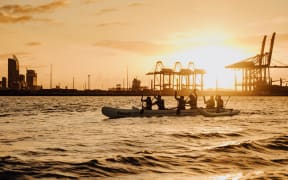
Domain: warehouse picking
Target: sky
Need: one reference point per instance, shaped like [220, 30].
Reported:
[107, 38]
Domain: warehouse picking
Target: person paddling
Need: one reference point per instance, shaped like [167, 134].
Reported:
[219, 103]
[192, 100]
[159, 102]
[148, 103]
[181, 102]
[210, 103]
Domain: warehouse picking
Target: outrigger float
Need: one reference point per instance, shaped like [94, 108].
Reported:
[112, 112]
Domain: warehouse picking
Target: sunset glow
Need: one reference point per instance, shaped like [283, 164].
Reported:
[103, 38]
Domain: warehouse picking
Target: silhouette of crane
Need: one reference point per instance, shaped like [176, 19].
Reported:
[176, 78]
[256, 69]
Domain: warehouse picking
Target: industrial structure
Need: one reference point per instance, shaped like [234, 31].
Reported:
[177, 78]
[256, 70]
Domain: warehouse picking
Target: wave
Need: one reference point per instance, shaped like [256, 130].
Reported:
[271, 152]
[278, 143]
[31, 110]
[15, 168]
[9, 141]
[244, 156]
[55, 149]
[146, 160]
[5, 114]
[205, 135]
[264, 145]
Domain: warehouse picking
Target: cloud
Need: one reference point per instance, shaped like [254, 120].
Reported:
[140, 47]
[90, 1]
[100, 25]
[105, 10]
[135, 4]
[14, 19]
[28, 9]
[33, 44]
[22, 13]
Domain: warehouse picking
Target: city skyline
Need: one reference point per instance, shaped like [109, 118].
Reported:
[103, 38]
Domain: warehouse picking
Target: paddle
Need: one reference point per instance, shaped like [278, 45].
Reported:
[142, 101]
[172, 108]
[204, 99]
[226, 101]
[142, 108]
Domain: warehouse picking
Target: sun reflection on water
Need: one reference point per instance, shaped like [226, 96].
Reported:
[235, 176]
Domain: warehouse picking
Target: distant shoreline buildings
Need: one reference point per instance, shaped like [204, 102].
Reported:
[255, 80]
[17, 81]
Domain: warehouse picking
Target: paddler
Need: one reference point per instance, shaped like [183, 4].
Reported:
[192, 100]
[181, 101]
[159, 102]
[148, 103]
[210, 103]
[219, 103]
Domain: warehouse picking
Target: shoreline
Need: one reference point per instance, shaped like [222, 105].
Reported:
[73, 92]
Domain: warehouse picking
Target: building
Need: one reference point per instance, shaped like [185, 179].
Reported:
[4, 83]
[31, 79]
[13, 73]
[22, 81]
[136, 85]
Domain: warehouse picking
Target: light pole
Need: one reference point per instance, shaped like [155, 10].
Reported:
[89, 81]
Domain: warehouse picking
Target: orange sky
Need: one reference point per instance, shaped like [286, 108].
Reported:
[103, 37]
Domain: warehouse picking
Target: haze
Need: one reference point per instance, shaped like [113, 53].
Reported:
[104, 37]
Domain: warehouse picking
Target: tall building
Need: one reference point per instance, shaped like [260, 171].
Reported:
[13, 73]
[31, 79]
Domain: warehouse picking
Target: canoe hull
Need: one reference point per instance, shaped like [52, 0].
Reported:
[112, 112]
[216, 113]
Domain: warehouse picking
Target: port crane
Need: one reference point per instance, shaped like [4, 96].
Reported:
[256, 70]
[176, 78]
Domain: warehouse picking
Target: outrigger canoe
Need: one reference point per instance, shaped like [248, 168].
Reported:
[112, 112]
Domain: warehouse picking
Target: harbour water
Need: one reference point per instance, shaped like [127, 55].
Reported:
[69, 138]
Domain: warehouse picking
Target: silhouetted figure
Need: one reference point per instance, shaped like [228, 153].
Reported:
[148, 103]
[193, 100]
[219, 102]
[181, 102]
[159, 102]
[210, 103]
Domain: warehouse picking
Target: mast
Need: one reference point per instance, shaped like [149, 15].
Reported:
[127, 77]
[73, 82]
[88, 81]
[50, 76]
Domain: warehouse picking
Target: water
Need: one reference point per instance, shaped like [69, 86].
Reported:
[69, 138]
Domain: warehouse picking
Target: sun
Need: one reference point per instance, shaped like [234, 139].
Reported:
[211, 51]
[212, 58]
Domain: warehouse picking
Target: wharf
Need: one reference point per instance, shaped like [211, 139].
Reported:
[273, 91]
